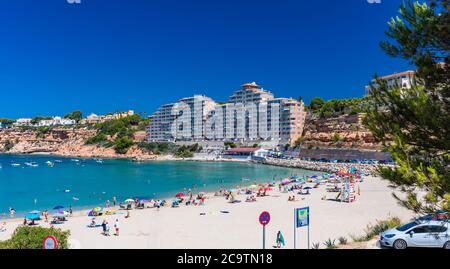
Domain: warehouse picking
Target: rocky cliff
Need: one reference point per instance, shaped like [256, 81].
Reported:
[65, 142]
[345, 131]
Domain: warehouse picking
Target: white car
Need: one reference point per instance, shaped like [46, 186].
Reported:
[430, 234]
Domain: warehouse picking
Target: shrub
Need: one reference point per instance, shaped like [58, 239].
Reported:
[184, 152]
[380, 226]
[315, 246]
[229, 144]
[155, 147]
[27, 237]
[96, 139]
[8, 145]
[342, 240]
[122, 144]
[336, 137]
[330, 244]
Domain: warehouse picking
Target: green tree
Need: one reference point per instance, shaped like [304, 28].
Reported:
[75, 115]
[28, 237]
[316, 103]
[37, 119]
[6, 121]
[417, 119]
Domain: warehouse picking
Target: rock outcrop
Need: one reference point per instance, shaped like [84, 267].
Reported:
[345, 131]
[64, 142]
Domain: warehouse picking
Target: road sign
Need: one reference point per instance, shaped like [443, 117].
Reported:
[264, 218]
[50, 242]
[302, 216]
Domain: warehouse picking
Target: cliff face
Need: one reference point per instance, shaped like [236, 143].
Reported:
[345, 131]
[65, 142]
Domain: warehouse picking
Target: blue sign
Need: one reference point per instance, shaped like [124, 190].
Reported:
[264, 218]
[302, 216]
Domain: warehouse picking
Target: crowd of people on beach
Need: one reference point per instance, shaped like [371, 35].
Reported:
[293, 185]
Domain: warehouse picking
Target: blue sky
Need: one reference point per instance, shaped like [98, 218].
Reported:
[108, 55]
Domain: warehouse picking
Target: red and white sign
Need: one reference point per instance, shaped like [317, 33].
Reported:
[50, 242]
[264, 218]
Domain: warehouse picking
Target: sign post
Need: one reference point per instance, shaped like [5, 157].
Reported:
[301, 218]
[264, 219]
[50, 242]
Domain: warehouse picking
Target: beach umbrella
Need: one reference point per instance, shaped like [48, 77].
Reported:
[129, 200]
[265, 189]
[58, 207]
[178, 195]
[97, 209]
[285, 181]
[307, 188]
[32, 216]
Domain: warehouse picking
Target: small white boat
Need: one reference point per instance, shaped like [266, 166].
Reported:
[67, 190]
[49, 163]
[15, 164]
[74, 160]
[75, 198]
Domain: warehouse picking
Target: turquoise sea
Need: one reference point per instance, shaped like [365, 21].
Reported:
[27, 182]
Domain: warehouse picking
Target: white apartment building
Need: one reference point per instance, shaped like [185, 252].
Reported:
[243, 118]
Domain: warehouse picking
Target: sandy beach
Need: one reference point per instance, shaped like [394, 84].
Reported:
[185, 227]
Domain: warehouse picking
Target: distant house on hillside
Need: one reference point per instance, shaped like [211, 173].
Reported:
[22, 122]
[56, 121]
[404, 80]
[94, 119]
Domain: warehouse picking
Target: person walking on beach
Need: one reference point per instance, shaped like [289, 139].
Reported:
[70, 210]
[45, 213]
[116, 226]
[280, 239]
[114, 201]
[107, 204]
[104, 227]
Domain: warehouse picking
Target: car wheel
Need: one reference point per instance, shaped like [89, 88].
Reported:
[399, 244]
[447, 245]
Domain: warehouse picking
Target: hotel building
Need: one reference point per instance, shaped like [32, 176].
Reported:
[403, 80]
[168, 123]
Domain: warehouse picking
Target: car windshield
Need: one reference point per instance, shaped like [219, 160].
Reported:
[406, 226]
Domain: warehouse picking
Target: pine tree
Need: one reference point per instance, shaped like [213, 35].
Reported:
[416, 121]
